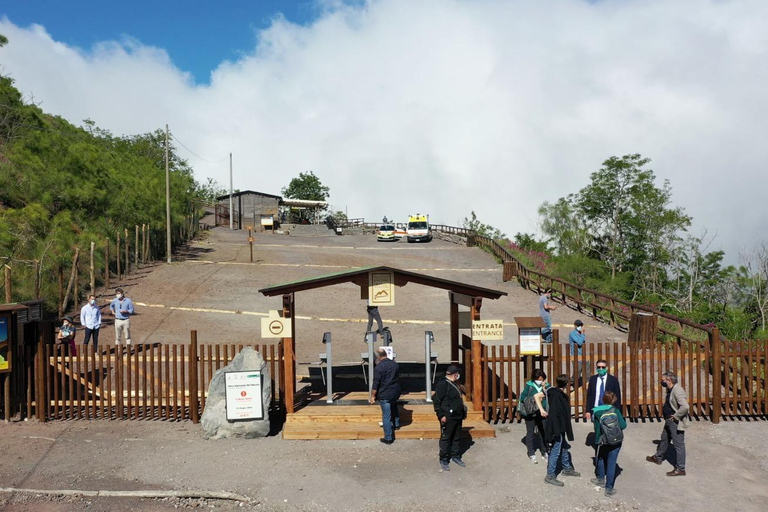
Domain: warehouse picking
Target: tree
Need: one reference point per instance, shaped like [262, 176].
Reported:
[561, 223]
[755, 280]
[3, 40]
[629, 218]
[481, 229]
[307, 186]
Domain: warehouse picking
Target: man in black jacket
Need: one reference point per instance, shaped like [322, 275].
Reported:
[386, 388]
[597, 387]
[449, 408]
[558, 429]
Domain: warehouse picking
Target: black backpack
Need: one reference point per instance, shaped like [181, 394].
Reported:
[610, 429]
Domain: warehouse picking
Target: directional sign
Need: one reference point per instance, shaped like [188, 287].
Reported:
[276, 327]
[488, 330]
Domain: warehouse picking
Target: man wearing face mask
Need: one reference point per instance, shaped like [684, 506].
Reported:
[90, 318]
[599, 385]
[451, 412]
[675, 412]
[122, 308]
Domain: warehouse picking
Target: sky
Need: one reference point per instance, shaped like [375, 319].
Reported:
[436, 106]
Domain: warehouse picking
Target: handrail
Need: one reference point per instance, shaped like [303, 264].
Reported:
[527, 276]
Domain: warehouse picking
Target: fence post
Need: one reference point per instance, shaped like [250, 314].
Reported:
[194, 399]
[106, 265]
[136, 249]
[127, 253]
[36, 268]
[8, 294]
[477, 376]
[117, 256]
[92, 269]
[41, 400]
[717, 374]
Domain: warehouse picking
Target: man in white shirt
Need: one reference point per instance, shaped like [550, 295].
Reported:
[90, 318]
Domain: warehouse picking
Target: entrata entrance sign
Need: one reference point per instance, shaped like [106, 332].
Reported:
[243, 394]
[488, 330]
[381, 289]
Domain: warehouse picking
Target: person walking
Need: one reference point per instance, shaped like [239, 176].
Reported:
[558, 429]
[90, 318]
[609, 426]
[386, 389]
[122, 309]
[544, 311]
[534, 423]
[576, 340]
[675, 411]
[451, 411]
[598, 386]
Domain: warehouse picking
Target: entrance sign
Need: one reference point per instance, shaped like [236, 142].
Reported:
[381, 288]
[243, 394]
[530, 341]
[276, 327]
[488, 330]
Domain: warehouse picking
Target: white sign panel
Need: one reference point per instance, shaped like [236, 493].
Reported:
[276, 327]
[488, 330]
[530, 341]
[243, 392]
[381, 289]
[390, 352]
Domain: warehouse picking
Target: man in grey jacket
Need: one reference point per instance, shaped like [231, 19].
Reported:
[675, 412]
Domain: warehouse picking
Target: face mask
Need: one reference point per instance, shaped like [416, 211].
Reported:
[92, 301]
[602, 371]
[578, 328]
[664, 384]
[119, 295]
[539, 383]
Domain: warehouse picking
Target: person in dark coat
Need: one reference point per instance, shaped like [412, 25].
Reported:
[386, 389]
[450, 411]
[598, 386]
[558, 429]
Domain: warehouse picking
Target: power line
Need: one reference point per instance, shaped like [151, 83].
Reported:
[198, 156]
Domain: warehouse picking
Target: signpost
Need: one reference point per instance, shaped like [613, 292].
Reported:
[381, 288]
[243, 395]
[275, 326]
[488, 330]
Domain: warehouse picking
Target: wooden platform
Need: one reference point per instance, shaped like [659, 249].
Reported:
[351, 417]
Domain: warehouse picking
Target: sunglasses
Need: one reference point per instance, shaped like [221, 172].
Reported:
[602, 367]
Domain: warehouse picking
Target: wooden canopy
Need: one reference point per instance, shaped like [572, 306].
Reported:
[359, 276]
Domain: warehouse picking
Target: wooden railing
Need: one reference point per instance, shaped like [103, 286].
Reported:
[741, 390]
[143, 381]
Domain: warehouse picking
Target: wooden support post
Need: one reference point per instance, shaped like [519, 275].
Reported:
[717, 375]
[127, 253]
[36, 268]
[136, 249]
[143, 243]
[477, 375]
[7, 396]
[61, 289]
[194, 399]
[41, 367]
[8, 294]
[72, 280]
[76, 283]
[117, 255]
[454, 329]
[92, 269]
[289, 350]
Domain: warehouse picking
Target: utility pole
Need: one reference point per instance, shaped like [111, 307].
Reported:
[231, 213]
[167, 201]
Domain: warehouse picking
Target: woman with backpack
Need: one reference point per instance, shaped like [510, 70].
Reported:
[530, 413]
[609, 426]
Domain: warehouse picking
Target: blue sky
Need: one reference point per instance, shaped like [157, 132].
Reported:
[197, 34]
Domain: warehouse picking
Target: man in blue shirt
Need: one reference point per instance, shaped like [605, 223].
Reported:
[576, 340]
[90, 318]
[544, 308]
[122, 308]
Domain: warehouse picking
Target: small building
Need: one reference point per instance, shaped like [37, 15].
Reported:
[249, 208]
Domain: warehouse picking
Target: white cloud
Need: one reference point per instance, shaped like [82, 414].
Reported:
[445, 106]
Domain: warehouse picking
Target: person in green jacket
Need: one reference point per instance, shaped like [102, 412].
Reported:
[607, 454]
[534, 424]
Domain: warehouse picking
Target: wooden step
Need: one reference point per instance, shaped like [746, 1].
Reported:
[368, 430]
[362, 413]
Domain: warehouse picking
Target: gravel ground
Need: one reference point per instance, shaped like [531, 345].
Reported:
[726, 465]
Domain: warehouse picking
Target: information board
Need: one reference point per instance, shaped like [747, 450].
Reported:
[381, 288]
[243, 394]
[530, 341]
[5, 343]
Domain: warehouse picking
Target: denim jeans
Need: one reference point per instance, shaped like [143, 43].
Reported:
[546, 333]
[92, 333]
[390, 417]
[607, 455]
[560, 448]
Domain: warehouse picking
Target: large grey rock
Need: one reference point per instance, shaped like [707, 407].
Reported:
[214, 420]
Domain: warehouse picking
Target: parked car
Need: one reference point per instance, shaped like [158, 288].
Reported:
[400, 230]
[386, 233]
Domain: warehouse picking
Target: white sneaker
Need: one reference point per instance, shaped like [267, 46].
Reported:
[381, 423]
[545, 456]
[533, 459]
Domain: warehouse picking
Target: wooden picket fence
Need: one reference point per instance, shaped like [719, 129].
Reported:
[143, 381]
[742, 389]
